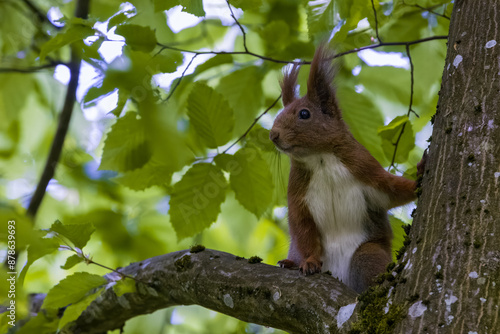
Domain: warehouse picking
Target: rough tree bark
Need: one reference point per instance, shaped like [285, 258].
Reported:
[453, 261]
[448, 280]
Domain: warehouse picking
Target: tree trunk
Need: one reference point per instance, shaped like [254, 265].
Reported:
[452, 265]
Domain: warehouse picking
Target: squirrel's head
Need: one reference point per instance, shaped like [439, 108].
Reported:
[313, 123]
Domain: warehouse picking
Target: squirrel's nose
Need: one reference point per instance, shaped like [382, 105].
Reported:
[274, 135]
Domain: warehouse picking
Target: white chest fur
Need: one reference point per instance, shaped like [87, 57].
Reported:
[337, 202]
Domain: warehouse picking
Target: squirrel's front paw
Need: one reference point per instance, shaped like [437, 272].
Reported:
[310, 266]
[286, 263]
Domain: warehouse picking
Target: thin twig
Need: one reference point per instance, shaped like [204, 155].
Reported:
[90, 261]
[30, 69]
[252, 125]
[178, 82]
[239, 25]
[39, 14]
[378, 45]
[163, 47]
[430, 9]
[376, 22]
[373, 46]
[410, 107]
[82, 9]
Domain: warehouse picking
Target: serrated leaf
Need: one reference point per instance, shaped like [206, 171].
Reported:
[96, 93]
[252, 181]
[196, 199]
[211, 116]
[73, 311]
[194, 7]
[72, 34]
[139, 38]
[161, 5]
[320, 18]
[72, 261]
[126, 147]
[78, 234]
[72, 289]
[390, 134]
[213, 62]
[243, 90]
[36, 250]
[151, 174]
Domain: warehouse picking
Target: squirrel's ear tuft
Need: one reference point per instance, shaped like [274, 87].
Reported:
[289, 85]
[320, 83]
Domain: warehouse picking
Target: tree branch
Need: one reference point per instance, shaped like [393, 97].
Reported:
[240, 26]
[178, 82]
[373, 46]
[30, 69]
[42, 17]
[257, 293]
[410, 110]
[82, 9]
[253, 124]
[376, 22]
[430, 10]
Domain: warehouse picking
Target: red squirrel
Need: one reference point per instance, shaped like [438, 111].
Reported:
[338, 193]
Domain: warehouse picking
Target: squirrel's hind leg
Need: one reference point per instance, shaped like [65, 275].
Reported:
[369, 260]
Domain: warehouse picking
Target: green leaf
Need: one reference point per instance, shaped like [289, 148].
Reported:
[358, 10]
[246, 4]
[259, 136]
[71, 35]
[73, 311]
[276, 35]
[320, 19]
[194, 7]
[399, 234]
[78, 234]
[36, 250]
[210, 115]
[122, 101]
[72, 261]
[42, 323]
[126, 147]
[72, 289]
[139, 38]
[243, 90]
[151, 174]
[213, 62]
[123, 286]
[390, 134]
[166, 62]
[252, 181]
[161, 5]
[196, 199]
[363, 118]
[118, 19]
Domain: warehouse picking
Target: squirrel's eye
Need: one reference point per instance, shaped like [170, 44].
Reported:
[304, 114]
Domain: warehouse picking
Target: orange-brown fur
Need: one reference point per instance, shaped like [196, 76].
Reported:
[326, 133]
